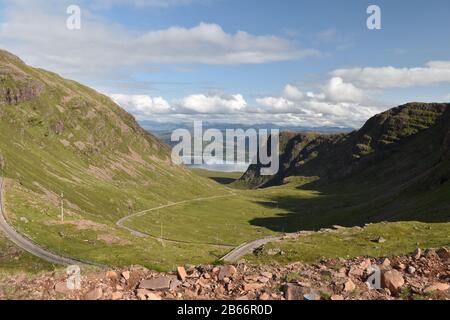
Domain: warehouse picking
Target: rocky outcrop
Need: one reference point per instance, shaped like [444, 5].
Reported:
[335, 279]
[398, 135]
[15, 85]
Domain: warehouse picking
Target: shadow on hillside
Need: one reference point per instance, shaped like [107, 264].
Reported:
[347, 210]
[223, 180]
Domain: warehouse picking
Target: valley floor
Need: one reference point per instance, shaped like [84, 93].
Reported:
[201, 232]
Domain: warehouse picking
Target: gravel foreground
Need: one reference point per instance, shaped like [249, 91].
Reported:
[420, 275]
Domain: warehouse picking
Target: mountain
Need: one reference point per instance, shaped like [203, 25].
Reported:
[59, 136]
[398, 157]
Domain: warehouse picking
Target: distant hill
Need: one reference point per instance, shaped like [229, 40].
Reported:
[399, 156]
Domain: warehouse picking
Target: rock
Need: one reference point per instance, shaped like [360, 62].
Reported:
[356, 272]
[365, 264]
[116, 295]
[399, 266]
[61, 287]
[23, 219]
[264, 296]
[112, 275]
[293, 292]
[263, 279]
[273, 251]
[349, 286]
[181, 273]
[392, 280]
[417, 254]
[252, 286]
[174, 284]
[336, 297]
[95, 294]
[379, 240]
[153, 297]
[411, 270]
[386, 263]
[144, 294]
[159, 283]
[438, 286]
[227, 272]
[443, 253]
[267, 275]
[431, 254]
[126, 275]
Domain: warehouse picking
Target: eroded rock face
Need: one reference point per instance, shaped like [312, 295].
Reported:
[15, 89]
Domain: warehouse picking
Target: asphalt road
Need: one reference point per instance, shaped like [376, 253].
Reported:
[27, 244]
[31, 247]
[247, 248]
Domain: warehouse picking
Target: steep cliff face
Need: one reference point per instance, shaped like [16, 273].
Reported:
[396, 145]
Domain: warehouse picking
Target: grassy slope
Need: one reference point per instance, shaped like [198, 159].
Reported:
[74, 140]
[15, 260]
[131, 173]
[401, 238]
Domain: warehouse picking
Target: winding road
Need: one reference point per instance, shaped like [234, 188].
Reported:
[27, 244]
[246, 248]
[232, 256]
[120, 222]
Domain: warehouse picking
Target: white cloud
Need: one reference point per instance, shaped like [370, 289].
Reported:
[200, 103]
[292, 92]
[142, 105]
[390, 77]
[276, 103]
[336, 104]
[42, 39]
[339, 91]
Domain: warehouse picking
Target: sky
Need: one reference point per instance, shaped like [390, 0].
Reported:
[306, 63]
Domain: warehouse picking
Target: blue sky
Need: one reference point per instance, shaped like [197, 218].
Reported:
[245, 61]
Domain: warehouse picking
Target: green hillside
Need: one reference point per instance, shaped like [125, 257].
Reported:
[59, 136]
[396, 167]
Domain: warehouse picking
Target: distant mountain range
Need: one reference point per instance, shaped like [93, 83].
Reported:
[164, 130]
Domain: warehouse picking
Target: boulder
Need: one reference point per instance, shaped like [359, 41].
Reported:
[227, 272]
[443, 253]
[117, 295]
[61, 287]
[126, 275]
[411, 270]
[159, 283]
[111, 275]
[294, 292]
[95, 294]
[438, 286]
[417, 254]
[181, 273]
[349, 286]
[392, 280]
